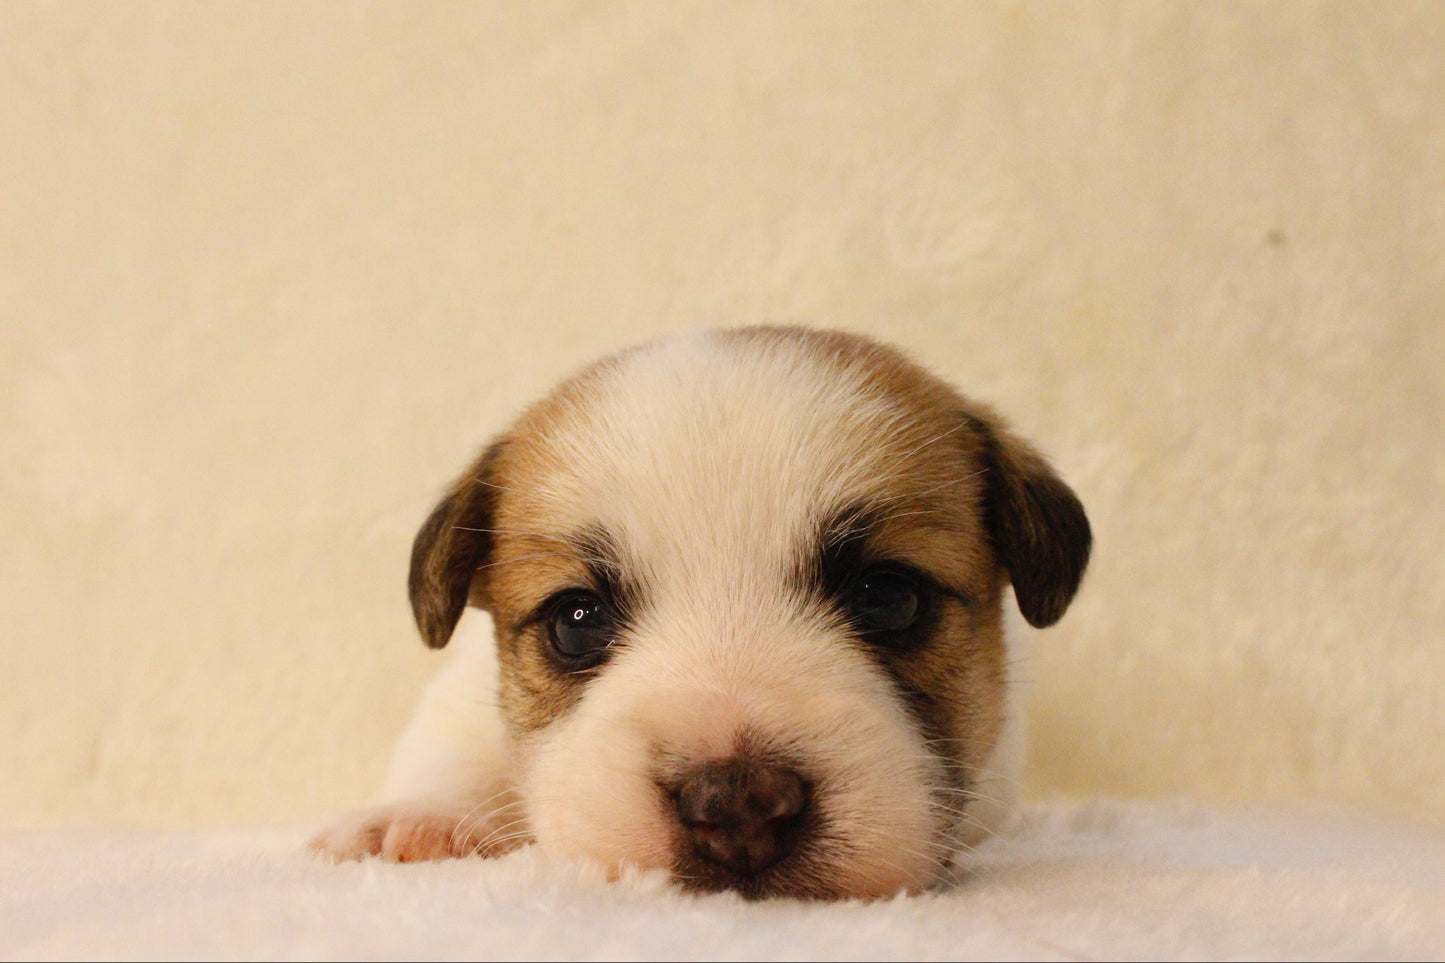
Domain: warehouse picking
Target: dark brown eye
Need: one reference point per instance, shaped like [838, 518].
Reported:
[885, 600]
[580, 628]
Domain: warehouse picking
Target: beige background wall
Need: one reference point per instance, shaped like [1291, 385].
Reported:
[270, 272]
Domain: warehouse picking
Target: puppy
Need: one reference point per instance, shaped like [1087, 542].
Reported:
[747, 591]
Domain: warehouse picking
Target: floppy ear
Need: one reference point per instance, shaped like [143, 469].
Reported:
[454, 542]
[1037, 524]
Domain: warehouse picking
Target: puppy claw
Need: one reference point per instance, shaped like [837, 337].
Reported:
[349, 838]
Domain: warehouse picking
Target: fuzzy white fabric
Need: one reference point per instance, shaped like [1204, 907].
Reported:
[1096, 882]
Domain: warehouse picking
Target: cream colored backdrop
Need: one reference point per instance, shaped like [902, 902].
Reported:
[270, 273]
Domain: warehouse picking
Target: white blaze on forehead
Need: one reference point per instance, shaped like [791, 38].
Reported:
[704, 450]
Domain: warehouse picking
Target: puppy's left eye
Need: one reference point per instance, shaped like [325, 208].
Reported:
[885, 600]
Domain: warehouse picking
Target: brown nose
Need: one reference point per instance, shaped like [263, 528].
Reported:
[742, 814]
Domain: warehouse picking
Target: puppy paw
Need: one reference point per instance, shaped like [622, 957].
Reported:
[418, 831]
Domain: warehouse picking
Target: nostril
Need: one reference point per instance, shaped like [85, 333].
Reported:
[742, 814]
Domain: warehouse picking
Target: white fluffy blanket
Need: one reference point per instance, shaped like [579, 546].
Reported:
[1085, 881]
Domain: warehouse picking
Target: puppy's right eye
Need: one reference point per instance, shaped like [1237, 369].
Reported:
[580, 628]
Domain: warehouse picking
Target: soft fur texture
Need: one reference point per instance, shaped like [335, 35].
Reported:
[798, 543]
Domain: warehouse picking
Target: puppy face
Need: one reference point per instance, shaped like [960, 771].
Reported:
[747, 591]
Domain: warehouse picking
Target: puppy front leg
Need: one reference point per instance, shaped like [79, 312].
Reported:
[448, 791]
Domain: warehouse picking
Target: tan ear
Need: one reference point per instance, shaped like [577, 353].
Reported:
[1037, 524]
[451, 549]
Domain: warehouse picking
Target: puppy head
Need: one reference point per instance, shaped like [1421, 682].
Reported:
[747, 592]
